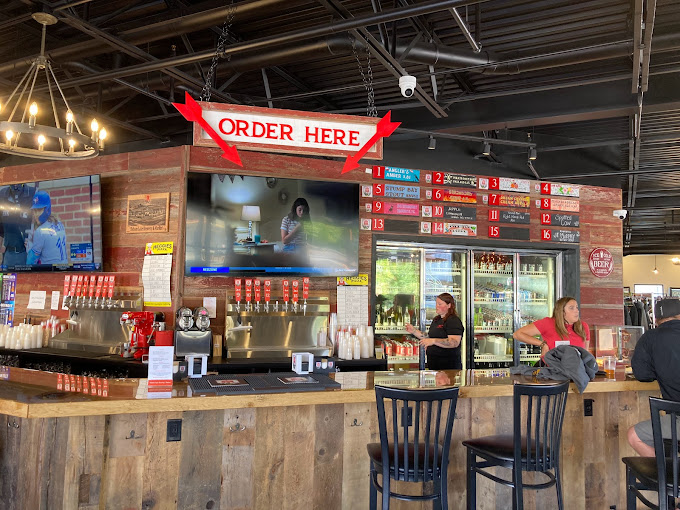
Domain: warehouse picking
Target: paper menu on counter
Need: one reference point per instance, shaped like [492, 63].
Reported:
[160, 365]
[156, 274]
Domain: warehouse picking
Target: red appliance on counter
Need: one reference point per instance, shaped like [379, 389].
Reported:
[142, 327]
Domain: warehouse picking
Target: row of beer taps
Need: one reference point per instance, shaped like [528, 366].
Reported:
[91, 291]
[253, 290]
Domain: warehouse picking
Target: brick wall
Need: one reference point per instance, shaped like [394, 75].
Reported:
[71, 204]
[164, 170]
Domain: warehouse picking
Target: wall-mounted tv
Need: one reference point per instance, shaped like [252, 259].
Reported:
[240, 225]
[51, 225]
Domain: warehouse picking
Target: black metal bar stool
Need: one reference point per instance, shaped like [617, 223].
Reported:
[538, 414]
[415, 437]
[659, 473]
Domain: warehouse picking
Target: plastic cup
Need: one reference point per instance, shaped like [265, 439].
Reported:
[609, 366]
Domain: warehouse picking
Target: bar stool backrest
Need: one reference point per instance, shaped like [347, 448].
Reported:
[415, 430]
[538, 416]
[667, 462]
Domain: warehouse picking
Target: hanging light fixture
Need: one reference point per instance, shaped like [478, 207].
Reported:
[433, 143]
[25, 136]
[655, 270]
[676, 261]
[487, 149]
[533, 154]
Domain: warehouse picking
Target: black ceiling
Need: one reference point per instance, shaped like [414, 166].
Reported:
[594, 83]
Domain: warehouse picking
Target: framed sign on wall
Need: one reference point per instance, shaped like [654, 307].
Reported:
[148, 213]
[674, 292]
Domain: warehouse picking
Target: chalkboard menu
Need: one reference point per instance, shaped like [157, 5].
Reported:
[560, 219]
[501, 232]
[401, 227]
[509, 216]
[451, 212]
[561, 236]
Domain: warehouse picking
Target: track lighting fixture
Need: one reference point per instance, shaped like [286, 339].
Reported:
[532, 154]
[487, 149]
[433, 143]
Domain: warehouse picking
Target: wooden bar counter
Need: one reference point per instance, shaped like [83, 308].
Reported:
[285, 451]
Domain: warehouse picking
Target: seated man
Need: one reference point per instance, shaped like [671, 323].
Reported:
[657, 356]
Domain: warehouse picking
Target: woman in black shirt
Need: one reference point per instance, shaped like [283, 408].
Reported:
[443, 339]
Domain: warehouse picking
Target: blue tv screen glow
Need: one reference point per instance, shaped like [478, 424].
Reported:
[250, 225]
[51, 225]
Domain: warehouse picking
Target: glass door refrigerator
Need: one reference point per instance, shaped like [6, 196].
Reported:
[496, 292]
[510, 289]
[408, 279]
[537, 287]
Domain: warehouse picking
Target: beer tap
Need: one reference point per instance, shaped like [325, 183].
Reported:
[109, 303]
[98, 292]
[83, 294]
[257, 295]
[305, 294]
[267, 294]
[67, 283]
[93, 281]
[79, 288]
[286, 294]
[249, 294]
[296, 290]
[237, 294]
[72, 290]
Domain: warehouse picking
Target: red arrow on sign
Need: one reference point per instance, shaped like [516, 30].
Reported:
[192, 111]
[384, 129]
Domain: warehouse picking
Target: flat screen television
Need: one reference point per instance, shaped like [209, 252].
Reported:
[241, 225]
[51, 225]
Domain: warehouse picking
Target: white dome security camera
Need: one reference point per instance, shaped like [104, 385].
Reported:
[620, 214]
[407, 84]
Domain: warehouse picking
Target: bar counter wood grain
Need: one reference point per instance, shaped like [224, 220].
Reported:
[284, 451]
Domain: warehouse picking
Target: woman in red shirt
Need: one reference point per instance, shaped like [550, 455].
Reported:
[563, 328]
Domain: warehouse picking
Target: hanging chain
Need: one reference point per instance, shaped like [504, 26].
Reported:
[371, 110]
[207, 88]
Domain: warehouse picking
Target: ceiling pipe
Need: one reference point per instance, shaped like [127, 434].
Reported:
[274, 41]
[243, 11]
[484, 62]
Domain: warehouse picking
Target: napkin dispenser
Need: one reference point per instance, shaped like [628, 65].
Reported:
[303, 362]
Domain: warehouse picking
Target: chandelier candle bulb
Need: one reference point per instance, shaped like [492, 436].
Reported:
[33, 111]
[41, 142]
[102, 137]
[69, 122]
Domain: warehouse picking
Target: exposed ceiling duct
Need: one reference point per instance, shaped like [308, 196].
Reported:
[444, 56]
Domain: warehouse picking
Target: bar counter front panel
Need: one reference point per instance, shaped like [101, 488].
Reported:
[289, 451]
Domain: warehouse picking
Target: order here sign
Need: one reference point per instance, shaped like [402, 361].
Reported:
[273, 130]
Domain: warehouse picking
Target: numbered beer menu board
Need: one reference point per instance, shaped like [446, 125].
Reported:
[464, 205]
